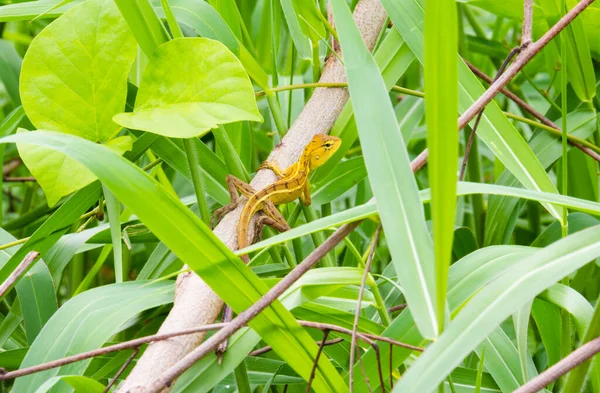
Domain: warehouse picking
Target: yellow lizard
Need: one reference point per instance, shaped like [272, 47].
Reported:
[293, 184]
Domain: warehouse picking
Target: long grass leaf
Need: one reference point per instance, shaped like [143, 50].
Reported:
[441, 107]
[390, 175]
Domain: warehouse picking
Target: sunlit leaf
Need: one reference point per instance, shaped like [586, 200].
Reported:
[190, 86]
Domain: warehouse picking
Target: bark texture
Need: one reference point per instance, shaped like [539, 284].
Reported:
[195, 303]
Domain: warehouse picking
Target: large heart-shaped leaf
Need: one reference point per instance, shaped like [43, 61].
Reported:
[190, 86]
[74, 80]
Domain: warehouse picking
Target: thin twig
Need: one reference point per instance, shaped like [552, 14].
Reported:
[526, 55]
[531, 110]
[103, 351]
[379, 367]
[366, 337]
[574, 359]
[263, 350]
[23, 179]
[397, 308]
[359, 301]
[18, 272]
[505, 64]
[527, 23]
[11, 166]
[314, 367]
[136, 350]
[364, 372]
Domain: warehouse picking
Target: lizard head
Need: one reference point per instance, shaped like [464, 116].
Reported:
[321, 148]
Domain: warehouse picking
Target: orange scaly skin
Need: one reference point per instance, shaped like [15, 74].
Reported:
[292, 185]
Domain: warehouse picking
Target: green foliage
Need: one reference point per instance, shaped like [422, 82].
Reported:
[189, 86]
[148, 105]
[441, 106]
[74, 80]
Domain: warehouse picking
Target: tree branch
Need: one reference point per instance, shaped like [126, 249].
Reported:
[527, 23]
[166, 379]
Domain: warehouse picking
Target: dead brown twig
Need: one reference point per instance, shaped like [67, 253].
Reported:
[135, 343]
[531, 110]
[357, 313]
[18, 272]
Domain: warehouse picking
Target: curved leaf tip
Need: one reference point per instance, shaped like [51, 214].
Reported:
[190, 86]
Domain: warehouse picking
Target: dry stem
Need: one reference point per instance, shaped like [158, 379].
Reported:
[18, 272]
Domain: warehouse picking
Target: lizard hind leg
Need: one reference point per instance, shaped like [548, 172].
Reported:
[233, 186]
[272, 218]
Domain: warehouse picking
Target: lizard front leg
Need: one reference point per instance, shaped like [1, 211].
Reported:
[274, 167]
[305, 196]
[233, 185]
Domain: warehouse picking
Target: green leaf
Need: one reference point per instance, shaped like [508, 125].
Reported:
[74, 80]
[35, 290]
[113, 210]
[390, 175]
[494, 129]
[301, 40]
[310, 19]
[52, 229]
[189, 86]
[86, 322]
[344, 176]
[79, 383]
[30, 9]
[466, 278]
[10, 68]
[198, 247]
[37, 297]
[441, 106]
[521, 322]
[547, 148]
[205, 20]
[68, 245]
[11, 359]
[497, 301]
[74, 76]
[143, 22]
[503, 362]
